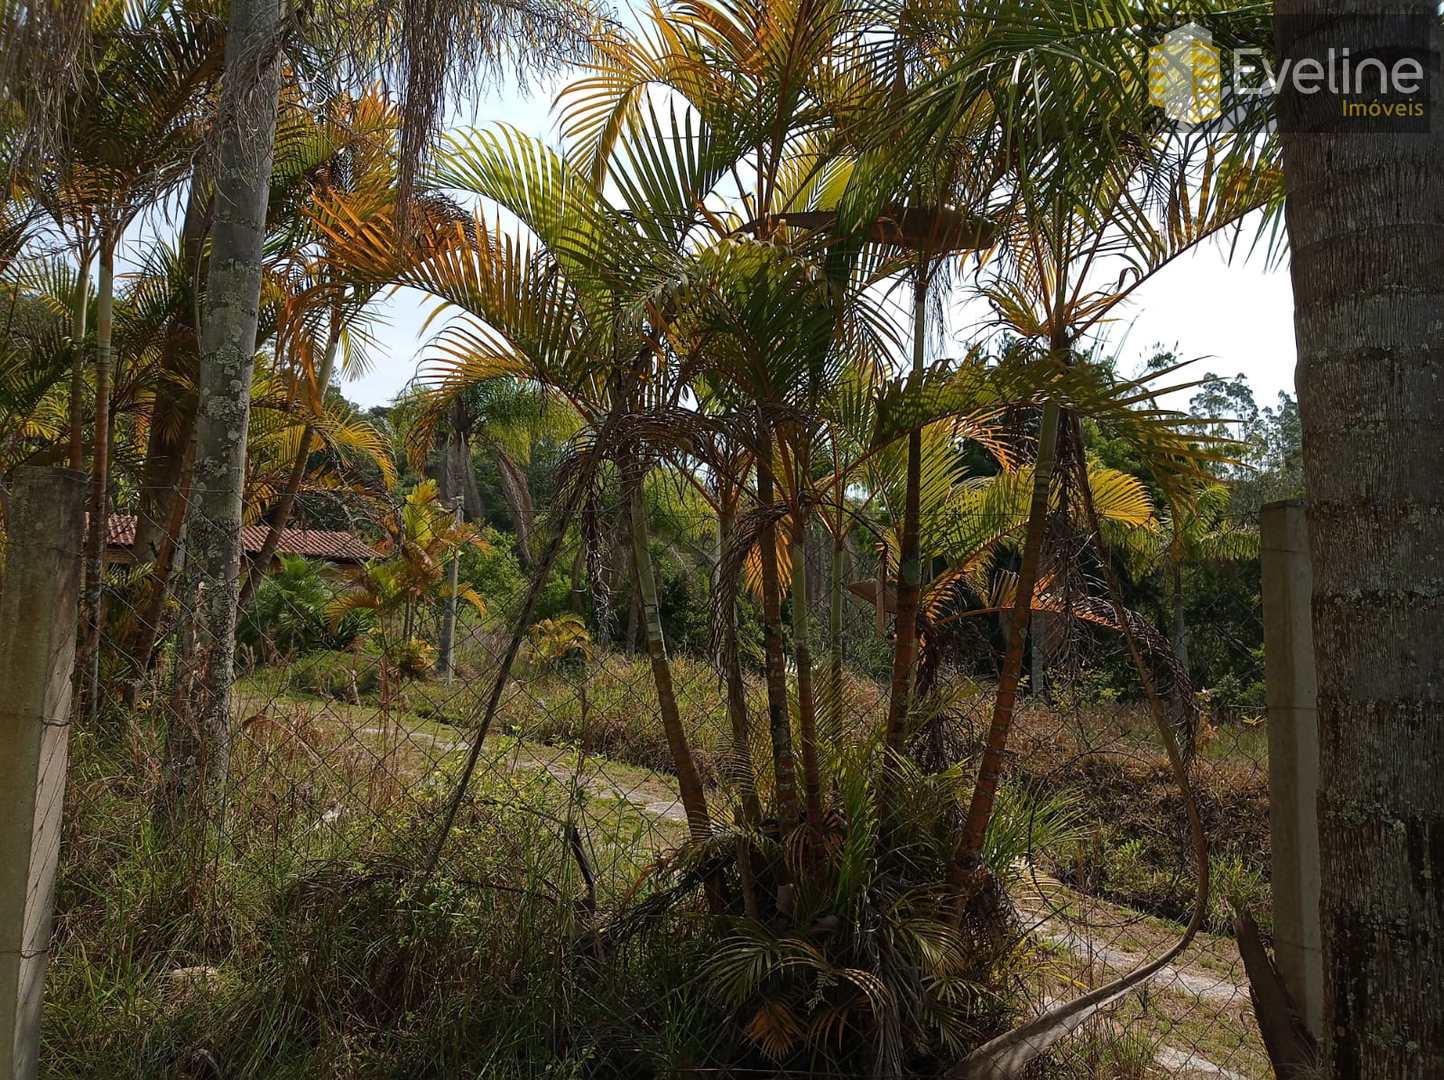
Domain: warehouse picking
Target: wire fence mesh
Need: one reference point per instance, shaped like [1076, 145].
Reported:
[289, 891]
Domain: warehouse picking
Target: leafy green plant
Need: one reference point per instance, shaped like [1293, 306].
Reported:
[287, 614]
[560, 641]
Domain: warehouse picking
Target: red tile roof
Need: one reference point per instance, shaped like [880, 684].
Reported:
[332, 545]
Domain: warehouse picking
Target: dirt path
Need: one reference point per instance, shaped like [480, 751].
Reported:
[1195, 1012]
[1199, 1005]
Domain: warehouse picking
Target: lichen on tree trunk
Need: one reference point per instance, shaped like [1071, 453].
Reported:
[198, 750]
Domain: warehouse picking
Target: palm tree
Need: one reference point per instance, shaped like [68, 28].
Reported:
[421, 540]
[548, 312]
[1136, 210]
[133, 128]
[1359, 205]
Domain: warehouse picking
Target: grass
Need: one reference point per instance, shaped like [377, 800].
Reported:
[1127, 842]
[298, 941]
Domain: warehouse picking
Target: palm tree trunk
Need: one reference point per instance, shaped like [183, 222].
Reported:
[89, 662]
[802, 655]
[173, 417]
[1365, 215]
[198, 750]
[980, 808]
[743, 775]
[152, 609]
[517, 492]
[474, 508]
[689, 783]
[909, 574]
[834, 638]
[1180, 624]
[779, 723]
[280, 515]
[78, 317]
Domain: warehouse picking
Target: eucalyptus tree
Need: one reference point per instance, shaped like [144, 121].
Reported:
[432, 47]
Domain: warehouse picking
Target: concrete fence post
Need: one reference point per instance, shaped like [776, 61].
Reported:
[39, 598]
[1293, 754]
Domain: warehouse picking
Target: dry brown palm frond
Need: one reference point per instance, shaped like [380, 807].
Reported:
[430, 51]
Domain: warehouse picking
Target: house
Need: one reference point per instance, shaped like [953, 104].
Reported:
[328, 545]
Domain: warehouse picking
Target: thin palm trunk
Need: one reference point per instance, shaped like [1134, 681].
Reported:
[280, 515]
[980, 809]
[689, 783]
[1365, 213]
[198, 742]
[78, 318]
[909, 576]
[835, 586]
[779, 723]
[89, 662]
[742, 768]
[802, 655]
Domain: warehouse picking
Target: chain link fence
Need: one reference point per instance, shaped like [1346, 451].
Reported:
[306, 910]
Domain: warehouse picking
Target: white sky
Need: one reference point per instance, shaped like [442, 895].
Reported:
[1231, 318]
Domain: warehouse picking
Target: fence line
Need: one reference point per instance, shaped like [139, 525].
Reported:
[342, 744]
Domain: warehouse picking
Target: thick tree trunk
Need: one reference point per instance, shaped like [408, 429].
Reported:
[689, 783]
[1365, 217]
[441, 447]
[172, 427]
[280, 515]
[173, 418]
[88, 663]
[151, 614]
[198, 741]
[472, 504]
[909, 574]
[778, 720]
[990, 769]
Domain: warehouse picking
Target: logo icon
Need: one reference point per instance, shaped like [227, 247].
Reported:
[1184, 75]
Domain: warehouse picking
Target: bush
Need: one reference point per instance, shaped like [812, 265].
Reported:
[413, 657]
[346, 676]
[287, 615]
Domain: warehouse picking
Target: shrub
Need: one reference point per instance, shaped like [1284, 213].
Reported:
[412, 657]
[287, 615]
[346, 676]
